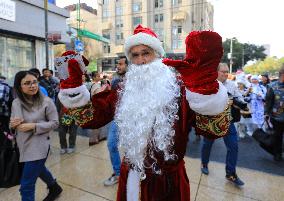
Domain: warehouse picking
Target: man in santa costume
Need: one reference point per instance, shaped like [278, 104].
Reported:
[155, 107]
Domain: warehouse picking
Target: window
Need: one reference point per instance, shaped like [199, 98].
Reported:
[106, 48]
[118, 23]
[136, 7]
[16, 55]
[176, 2]
[179, 29]
[161, 3]
[118, 10]
[136, 21]
[177, 44]
[106, 13]
[160, 33]
[174, 30]
[161, 17]
[156, 3]
[105, 2]
[106, 35]
[156, 18]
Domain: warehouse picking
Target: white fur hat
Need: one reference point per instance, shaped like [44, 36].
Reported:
[143, 36]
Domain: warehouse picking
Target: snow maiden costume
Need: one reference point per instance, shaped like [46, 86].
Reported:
[154, 109]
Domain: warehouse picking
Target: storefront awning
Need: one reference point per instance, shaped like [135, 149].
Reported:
[180, 16]
[88, 34]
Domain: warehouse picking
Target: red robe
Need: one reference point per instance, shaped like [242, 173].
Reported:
[173, 183]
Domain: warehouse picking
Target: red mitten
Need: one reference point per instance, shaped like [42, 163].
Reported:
[199, 68]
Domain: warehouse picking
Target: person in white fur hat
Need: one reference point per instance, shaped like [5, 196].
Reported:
[154, 111]
[257, 97]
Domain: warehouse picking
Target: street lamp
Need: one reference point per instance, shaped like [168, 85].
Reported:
[230, 54]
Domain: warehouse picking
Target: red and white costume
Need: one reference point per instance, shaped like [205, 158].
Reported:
[156, 133]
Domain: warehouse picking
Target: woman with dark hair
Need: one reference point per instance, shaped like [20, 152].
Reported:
[33, 117]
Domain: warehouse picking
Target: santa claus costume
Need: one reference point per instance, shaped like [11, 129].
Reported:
[154, 109]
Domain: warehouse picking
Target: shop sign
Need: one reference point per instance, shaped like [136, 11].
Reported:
[8, 10]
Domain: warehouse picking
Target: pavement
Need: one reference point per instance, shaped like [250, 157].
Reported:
[81, 174]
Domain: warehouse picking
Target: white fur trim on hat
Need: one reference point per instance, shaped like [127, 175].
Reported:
[143, 39]
[81, 99]
[208, 104]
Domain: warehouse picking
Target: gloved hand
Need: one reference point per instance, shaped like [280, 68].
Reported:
[199, 68]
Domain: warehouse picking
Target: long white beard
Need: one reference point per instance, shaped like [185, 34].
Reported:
[146, 113]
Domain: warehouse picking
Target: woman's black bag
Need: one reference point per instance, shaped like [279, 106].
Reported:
[266, 140]
[10, 167]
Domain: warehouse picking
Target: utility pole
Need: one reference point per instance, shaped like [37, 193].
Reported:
[46, 33]
[78, 18]
[243, 57]
[231, 55]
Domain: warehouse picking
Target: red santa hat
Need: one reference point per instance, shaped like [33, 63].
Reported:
[143, 36]
[71, 67]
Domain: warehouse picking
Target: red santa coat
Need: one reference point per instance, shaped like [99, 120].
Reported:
[173, 183]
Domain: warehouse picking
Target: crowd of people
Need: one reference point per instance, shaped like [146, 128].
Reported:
[150, 107]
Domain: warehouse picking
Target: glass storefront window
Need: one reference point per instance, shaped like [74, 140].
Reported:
[16, 55]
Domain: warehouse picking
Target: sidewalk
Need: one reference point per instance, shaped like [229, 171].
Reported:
[82, 173]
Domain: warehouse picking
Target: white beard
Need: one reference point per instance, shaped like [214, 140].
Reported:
[146, 113]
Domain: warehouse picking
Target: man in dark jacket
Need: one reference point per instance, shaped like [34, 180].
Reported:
[274, 108]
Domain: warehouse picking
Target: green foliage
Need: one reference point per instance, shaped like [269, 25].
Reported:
[92, 66]
[270, 65]
[242, 53]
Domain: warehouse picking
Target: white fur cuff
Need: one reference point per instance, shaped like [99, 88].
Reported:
[81, 99]
[208, 104]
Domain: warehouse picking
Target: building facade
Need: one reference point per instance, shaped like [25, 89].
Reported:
[172, 20]
[22, 34]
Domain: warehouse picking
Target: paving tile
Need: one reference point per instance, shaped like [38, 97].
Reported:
[192, 169]
[193, 190]
[55, 157]
[210, 194]
[98, 151]
[82, 143]
[69, 193]
[258, 185]
[86, 173]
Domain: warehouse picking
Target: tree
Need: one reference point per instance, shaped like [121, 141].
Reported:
[242, 53]
[270, 65]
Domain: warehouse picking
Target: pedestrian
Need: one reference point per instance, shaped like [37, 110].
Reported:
[154, 110]
[66, 125]
[42, 85]
[274, 109]
[33, 117]
[245, 125]
[112, 138]
[265, 81]
[230, 140]
[47, 82]
[6, 98]
[257, 98]
[94, 134]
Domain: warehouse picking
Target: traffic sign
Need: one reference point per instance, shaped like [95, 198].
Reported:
[79, 46]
